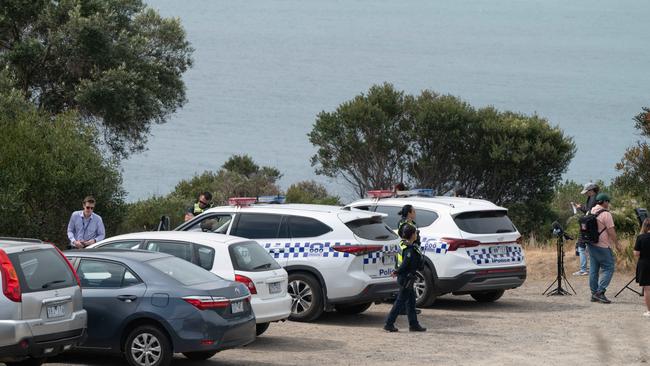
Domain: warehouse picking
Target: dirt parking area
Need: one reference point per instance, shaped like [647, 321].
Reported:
[523, 328]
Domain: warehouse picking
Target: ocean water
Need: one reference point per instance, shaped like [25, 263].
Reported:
[265, 68]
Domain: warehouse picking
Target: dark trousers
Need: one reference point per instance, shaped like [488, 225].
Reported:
[405, 298]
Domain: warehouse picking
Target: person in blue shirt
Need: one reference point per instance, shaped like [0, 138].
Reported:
[85, 226]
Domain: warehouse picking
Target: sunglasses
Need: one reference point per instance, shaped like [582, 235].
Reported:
[90, 208]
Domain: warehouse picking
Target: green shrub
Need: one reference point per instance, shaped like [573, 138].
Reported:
[310, 192]
[145, 215]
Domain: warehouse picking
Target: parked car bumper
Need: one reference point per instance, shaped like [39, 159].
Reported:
[372, 293]
[43, 346]
[481, 280]
[212, 332]
[271, 310]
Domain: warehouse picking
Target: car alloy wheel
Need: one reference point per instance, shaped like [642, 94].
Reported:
[146, 349]
[419, 286]
[301, 296]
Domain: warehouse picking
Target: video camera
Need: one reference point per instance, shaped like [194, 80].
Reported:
[641, 215]
[559, 231]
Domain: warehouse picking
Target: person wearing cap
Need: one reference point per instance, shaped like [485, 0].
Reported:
[590, 190]
[601, 256]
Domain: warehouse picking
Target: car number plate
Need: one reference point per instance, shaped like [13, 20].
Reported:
[499, 250]
[388, 260]
[275, 287]
[237, 307]
[55, 311]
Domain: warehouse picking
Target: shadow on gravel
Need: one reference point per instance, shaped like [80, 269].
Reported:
[293, 344]
[540, 304]
[95, 359]
[376, 319]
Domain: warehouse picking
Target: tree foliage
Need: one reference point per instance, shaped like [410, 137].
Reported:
[310, 191]
[363, 141]
[117, 62]
[441, 142]
[47, 166]
[635, 165]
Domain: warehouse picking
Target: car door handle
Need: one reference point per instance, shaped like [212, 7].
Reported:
[127, 298]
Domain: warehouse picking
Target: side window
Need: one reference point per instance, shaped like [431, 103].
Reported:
[258, 226]
[425, 217]
[177, 249]
[392, 220]
[127, 244]
[365, 208]
[204, 256]
[217, 223]
[306, 227]
[102, 274]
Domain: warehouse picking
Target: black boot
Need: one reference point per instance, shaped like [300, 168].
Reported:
[390, 328]
[417, 328]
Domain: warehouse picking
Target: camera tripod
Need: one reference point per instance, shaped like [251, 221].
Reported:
[561, 275]
[630, 288]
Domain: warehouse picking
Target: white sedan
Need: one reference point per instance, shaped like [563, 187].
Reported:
[229, 257]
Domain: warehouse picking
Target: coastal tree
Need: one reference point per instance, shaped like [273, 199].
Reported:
[118, 62]
[634, 167]
[363, 141]
[47, 165]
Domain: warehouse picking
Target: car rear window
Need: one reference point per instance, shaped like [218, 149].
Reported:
[251, 257]
[372, 228]
[183, 271]
[42, 270]
[485, 222]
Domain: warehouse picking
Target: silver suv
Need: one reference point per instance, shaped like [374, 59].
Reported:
[41, 311]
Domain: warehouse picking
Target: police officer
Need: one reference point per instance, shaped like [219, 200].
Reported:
[204, 203]
[406, 273]
[408, 219]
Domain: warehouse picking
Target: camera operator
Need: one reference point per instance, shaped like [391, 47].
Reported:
[600, 253]
[642, 251]
[591, 190]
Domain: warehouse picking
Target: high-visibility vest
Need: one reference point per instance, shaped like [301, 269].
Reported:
[197, 209]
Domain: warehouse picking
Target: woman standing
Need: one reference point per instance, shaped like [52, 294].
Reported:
[642, 251]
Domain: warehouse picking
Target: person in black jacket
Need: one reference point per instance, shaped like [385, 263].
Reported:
[642, 251]
[412, 261]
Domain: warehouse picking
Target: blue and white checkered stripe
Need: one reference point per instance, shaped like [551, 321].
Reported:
[296, 250]
[374, 257]
[514, 254]
[434, 246]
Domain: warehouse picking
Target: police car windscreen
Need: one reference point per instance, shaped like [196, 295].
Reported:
[485, 222]
[251, 257]
[371, 228]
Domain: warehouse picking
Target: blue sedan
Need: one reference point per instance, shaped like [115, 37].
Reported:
[150, 305]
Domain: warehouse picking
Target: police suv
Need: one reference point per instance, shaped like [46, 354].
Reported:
[470, 245]
[336, 259]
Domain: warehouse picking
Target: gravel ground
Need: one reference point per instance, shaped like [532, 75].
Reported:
[523, 328]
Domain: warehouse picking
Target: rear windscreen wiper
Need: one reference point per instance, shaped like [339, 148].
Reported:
[52, 283]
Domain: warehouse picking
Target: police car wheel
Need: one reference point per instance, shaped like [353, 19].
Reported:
[306, 296]
[423, 286]
[353, 309]
[490, 296]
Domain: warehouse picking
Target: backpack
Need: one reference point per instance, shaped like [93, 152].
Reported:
[589, 227]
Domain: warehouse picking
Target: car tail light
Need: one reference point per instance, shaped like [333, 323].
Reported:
[248, 282]
[207, 302]
[76, 276]
[358, 249]
[453, 244]
[10, 283]
[520, 240]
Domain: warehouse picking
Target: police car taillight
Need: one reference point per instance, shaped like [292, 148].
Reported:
[380, 193]
[358, 249]
[248, 282]
[453, 244]
[241, 201]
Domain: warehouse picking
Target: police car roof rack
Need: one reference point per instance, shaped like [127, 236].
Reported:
[247, 201]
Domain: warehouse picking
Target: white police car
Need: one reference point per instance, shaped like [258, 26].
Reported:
[471, 246]
[336, 259]
[231, 258]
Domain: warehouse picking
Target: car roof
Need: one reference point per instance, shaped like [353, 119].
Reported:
[12, 245]
[191, 236]
[452, 205]
[299, 209]
[122, 255]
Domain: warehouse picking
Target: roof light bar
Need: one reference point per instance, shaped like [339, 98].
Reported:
[241, 201]
[380, 193]
[271, 199]
[418, 192]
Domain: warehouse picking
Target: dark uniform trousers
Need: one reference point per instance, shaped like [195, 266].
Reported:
[405, 298]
